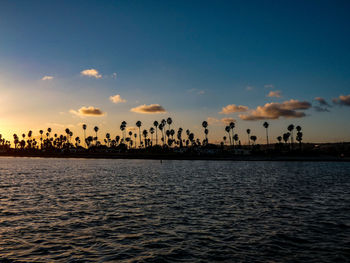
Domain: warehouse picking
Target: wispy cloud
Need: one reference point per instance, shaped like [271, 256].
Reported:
[88, 111]
[269, 86]
[232, 108]
[114, 75]
[196, 91]
[275, 94]
[323, 105]
[249, 88]
[93, 73]
[286, 109]
[117, 99]
[47, 78]
[343, 100]
[148, 109]
[322, 101]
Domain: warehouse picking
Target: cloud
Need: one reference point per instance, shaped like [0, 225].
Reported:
[323, 105]
[117, 99]
[249, 88]
[342, 100]
[91, 73]
[88, 111]
[148, 109]
[322, 101]
[232, 108]
[321, 109]
[114, 75]
[269, 86]
[227, 121]
[276, 94]
[197, 91]
[274, 110]
[47, 78]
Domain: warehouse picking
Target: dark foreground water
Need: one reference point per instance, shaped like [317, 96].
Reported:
[72, 210]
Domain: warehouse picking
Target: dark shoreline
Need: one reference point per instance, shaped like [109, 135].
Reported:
[180, 157]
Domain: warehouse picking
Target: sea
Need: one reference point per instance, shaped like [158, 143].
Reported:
[114, 210]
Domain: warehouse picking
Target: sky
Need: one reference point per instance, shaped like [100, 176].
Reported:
[64, 63]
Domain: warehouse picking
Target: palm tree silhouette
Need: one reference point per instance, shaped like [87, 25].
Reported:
[84, 129]
[299, 137]
[139, 124]
[155, 124]
[248, 132]
[41, 138]
[151, 130]
[253, 138]
[205, 125]
[266, 126]
[145, 133]
[96, 130]
[228, 129]
[232, 126]
[224, 138]
[290, 129]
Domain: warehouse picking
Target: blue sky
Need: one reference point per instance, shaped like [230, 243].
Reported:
[191, 57]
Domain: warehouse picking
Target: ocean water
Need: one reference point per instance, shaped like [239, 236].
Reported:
[85, 210]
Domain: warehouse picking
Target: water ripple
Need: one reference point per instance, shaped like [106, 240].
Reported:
[65, 210]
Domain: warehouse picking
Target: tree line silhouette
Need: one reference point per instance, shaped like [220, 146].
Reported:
[161, 136]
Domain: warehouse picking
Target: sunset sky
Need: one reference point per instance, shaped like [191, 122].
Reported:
[64, 63]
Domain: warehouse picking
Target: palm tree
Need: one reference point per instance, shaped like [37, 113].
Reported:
[205, 125]
[155, 124]
[299, 137]
[67, 132]
[139, 124]
[266, 126]
[248, 132]
[232, 126]
[224, 139]
[235, 138]
[49, 131]
[227, 129]
[84, 129]
[253, 138]
[41, 138]
[279, 139]
[145, 133]
[151, 130]
[286, 137]
[290, 129]
[96, 130]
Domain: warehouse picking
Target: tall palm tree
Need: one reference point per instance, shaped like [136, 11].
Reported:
[96, 130]
[232, 126]
[299, 137]
[145, 133]
[151, 130]
[290, 129]
[155, 124]
[224, 139]
[84, 129]
[228, 129]
[279, 139]
[205, 125]
[248, 132]
[139, 124]
[266, 126]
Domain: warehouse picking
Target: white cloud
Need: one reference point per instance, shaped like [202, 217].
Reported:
[149, 109]
[232, 108]
[91, 73]
[47, 78]
[117, 99]
[88, 111]
[276, 94]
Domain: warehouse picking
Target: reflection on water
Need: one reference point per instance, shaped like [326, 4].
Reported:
[183, 211]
